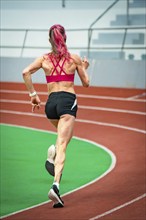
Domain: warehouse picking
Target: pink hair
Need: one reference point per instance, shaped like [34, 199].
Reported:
[58, 40]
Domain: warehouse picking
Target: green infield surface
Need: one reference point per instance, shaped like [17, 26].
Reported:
[24, 180]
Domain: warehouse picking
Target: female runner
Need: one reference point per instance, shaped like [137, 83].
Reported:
[61, 107]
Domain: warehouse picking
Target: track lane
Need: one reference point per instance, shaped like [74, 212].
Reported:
[126, 119]
[105, 194]
[126, 182]
[134, 104]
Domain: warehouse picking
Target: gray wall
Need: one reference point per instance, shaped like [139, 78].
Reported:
[107, 73]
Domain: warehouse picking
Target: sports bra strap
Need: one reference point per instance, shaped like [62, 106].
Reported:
[61, 67]
[58, 65]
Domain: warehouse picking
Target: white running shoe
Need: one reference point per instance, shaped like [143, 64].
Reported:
[55, 197]
[50, 160]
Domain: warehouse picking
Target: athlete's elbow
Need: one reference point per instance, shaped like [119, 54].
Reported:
[86, 84]
[25, 73]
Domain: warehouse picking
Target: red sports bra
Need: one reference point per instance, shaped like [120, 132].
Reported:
[59, 77]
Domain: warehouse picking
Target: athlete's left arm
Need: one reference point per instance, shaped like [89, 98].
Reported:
[82, 66]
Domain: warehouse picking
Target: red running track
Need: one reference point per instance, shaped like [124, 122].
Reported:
[111, 117]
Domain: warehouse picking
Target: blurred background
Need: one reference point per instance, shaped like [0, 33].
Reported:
[111, 33]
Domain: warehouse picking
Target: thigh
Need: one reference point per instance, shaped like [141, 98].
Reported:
[54, 122]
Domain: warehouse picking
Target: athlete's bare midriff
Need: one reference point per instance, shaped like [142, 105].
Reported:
[60, 86]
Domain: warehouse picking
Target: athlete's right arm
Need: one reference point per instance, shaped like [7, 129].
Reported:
[82, 65]
[32, 68]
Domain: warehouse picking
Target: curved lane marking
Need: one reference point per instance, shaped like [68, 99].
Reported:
[77, 120]
[81, 107]
[85, 121]
[111, 167]
[119, 207]
[79, 95]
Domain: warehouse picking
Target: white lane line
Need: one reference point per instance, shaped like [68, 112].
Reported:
[118, 207]
[111, 125]
[17, 101]
[110, 98]
[77, 120]
[112, 166]
[112, 110]
[137, 96]
[78, 95]
[16, 91]
[81, 107]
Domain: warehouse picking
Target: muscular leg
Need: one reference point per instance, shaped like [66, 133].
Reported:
[54, 122]
[65, 132]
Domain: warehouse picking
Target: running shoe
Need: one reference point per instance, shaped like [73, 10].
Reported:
[58, 205]
[49, 164]
[50, 168]
[55, 197]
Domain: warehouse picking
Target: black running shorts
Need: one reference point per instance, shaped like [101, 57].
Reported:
[60, 103]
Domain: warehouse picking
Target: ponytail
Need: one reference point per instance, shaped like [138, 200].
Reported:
[58, 41]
